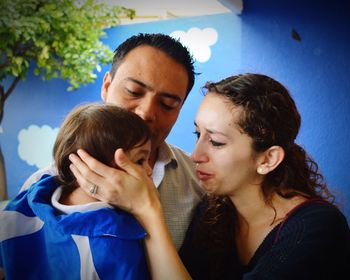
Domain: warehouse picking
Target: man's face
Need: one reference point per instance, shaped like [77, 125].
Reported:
[150, 84]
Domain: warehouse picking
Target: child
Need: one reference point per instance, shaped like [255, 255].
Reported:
[54, 230]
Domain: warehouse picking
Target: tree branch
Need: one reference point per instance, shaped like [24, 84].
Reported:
[11, 88]
[5, 59]
[3, 65]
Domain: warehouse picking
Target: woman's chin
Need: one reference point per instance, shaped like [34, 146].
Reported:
[208, 188]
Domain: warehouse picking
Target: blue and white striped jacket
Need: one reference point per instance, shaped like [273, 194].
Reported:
[39, 242]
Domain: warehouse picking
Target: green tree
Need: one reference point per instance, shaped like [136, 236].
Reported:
[60, 38]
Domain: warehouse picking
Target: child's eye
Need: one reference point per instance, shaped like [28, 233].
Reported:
[140, 161]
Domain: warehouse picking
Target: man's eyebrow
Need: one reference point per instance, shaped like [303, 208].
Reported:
[165, 94]
[139, 83]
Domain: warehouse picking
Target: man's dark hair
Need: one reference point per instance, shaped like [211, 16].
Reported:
[167, 44]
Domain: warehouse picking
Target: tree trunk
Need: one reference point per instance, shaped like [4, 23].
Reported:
[3, 185]
[3, 96]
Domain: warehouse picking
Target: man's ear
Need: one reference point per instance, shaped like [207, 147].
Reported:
[270, 159]
[107, 79]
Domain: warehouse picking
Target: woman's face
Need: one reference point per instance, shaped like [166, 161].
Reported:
[226, 162]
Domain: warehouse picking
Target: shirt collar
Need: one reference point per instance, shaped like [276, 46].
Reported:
[69, 209]
[166, 155]
[99, 222]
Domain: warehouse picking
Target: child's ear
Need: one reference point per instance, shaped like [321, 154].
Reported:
[119, 156]
[270, 159]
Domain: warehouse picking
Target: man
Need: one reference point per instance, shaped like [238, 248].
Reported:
[151, 75]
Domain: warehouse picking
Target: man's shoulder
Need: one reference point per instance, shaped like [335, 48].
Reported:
[184, 164]
[185, 172]
[179, 153]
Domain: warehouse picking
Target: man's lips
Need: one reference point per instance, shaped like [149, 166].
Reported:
[203, 176]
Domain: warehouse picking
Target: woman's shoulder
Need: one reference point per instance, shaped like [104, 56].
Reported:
[319, 218]
[318, 211]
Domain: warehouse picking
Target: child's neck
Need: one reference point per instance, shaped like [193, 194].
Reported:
[76, 197]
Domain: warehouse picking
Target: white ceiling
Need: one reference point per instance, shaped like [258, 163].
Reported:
[152, 10]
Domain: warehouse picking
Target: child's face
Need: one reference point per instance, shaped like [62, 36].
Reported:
[140, 155]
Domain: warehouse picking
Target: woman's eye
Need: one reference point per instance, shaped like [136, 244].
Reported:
[216, 144]
[197, 134]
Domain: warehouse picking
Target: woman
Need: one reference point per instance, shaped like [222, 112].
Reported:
[268, 214]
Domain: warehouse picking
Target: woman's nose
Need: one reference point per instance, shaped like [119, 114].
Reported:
[198, 155]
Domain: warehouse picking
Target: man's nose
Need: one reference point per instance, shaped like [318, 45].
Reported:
[146, 109]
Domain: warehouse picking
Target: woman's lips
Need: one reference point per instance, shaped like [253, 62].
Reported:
[203, 176]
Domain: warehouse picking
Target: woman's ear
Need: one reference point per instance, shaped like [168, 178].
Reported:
[107, 79]
[270, 159]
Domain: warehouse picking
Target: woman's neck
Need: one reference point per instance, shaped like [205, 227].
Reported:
[256, 219]
[252, 209]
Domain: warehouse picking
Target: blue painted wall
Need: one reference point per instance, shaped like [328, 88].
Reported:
[316, 70]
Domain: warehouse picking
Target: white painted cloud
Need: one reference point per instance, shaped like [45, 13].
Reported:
[198, 41]
[36, 144]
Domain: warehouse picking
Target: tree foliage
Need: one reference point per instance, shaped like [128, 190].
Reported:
[61, 37]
